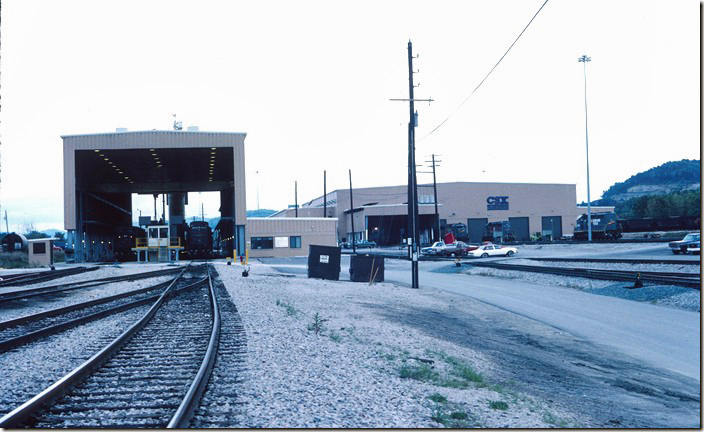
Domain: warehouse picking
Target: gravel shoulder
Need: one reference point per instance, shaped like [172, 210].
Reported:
[548, 377]
[363, 368]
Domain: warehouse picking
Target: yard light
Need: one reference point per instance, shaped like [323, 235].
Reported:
[584, 59]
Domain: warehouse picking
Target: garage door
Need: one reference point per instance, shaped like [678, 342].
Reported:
[552, 227]
[476, 229]
[519, 226]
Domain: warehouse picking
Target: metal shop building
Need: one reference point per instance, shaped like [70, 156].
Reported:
[102, 170]
[380, 213]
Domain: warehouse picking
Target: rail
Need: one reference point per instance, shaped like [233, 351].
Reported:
[27, 409]
[691, 280]
[186, 409]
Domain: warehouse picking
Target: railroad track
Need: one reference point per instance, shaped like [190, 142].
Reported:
[19, 331]
[691, 280]
[54, 289]
[624, 261]
[152, 375]
[43, 276]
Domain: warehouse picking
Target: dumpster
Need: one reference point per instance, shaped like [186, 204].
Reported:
[367, 268]
[324, 262]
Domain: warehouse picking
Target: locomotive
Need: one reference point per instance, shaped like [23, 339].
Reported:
[124, 241]
[605, 226]
[498, 232]
[459, 230]
[199, 241]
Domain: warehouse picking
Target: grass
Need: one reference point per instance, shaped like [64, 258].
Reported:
[335, 337]
[437, 398]
[290, 310]
[460, 375]
[553, 420]
[456, 419]
[419, 373]
[10, 260]
[498, 405]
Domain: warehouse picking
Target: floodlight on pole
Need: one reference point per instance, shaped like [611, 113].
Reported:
[584, 59]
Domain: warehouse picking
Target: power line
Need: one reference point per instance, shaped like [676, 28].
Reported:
[487, 75]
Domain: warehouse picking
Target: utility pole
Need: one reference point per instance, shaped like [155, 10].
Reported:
[295, 205]
[7, 227]
[325, 194]
[435, 192]
[354, 242]
[414, 229]
[584, 59]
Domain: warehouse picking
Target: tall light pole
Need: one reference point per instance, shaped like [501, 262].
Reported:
[584, 59]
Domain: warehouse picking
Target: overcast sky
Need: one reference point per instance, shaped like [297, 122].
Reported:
[310, 83]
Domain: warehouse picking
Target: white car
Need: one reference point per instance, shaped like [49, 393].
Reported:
[492, 250]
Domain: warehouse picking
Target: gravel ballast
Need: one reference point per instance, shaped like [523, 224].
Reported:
[352, 368]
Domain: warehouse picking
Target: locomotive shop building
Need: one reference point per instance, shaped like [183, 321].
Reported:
[102, 171]
[380, 213]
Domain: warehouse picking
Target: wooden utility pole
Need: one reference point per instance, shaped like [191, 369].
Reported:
[295, 205]
[413, 220]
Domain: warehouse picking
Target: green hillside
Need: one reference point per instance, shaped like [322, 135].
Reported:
[670, 177]
[671, 189]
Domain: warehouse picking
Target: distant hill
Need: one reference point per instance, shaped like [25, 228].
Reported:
[260, 213]
[668, 178]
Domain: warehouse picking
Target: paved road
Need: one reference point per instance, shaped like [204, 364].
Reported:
[664, 337]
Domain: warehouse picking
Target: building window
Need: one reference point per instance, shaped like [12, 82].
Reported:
[262, 243]
[295, 242]
[281, 242]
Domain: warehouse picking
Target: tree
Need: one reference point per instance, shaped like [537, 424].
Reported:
[34, 234]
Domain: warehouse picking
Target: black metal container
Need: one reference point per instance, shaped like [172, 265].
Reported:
[324, 262]
[367, 268]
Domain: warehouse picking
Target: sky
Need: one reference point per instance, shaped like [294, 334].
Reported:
[310, 82]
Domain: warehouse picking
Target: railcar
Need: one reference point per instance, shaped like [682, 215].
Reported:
[124, 240]
[605, 226]
[459, 230]
[199, 241]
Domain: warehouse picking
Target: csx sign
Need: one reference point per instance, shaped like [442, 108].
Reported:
[497, 203]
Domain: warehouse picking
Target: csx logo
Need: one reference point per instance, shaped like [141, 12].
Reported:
[497, 203]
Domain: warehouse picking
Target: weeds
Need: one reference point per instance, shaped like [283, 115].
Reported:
[437, 398]
[553, 420]
[290, 310]
[498, 405]
[419, 373]
[335, 337]
[11, 260]
[460, 376]
[317, 325]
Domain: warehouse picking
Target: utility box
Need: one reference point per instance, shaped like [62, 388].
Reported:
[367, 268]
[324, 262]
[41, 252]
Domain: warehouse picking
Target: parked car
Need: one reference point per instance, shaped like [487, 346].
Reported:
[360, 244]
[457, 248]
[488, 250]
[689, 244]
[432, 250]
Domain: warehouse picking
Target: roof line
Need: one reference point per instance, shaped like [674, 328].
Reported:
[154, 131]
